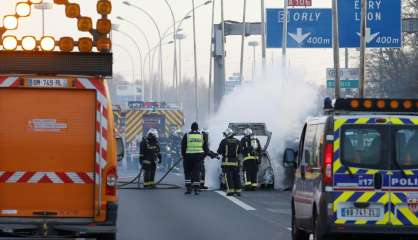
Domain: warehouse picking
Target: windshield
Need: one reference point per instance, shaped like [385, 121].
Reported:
[364, 146]
[406, 142]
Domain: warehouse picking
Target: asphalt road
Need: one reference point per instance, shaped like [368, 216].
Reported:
[171, 215]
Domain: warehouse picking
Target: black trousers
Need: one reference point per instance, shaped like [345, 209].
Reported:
[233, 179]
[250, 173]
[149, 173]
[202, 173]
[192, 167]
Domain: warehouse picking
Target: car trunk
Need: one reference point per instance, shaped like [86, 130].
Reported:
[47, 152]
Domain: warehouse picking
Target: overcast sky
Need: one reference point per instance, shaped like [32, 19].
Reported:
[310, 62]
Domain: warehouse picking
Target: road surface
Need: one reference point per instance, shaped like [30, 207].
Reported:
[169, 214]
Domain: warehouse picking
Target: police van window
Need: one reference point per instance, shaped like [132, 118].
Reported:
[308, 148]
[363, 146]
[406, 142]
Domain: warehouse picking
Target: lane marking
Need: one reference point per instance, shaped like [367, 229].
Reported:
[236, 201]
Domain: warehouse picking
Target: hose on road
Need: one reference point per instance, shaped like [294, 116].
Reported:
[137, 180]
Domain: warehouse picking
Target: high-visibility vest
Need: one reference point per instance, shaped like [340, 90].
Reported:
[194, 143]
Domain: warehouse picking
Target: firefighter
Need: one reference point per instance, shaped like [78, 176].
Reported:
[211, 155]
[149, 156]
[229, 148]
[194, 149]
[251, 153]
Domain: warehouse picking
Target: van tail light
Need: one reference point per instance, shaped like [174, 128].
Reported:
[111, 181]
[328, 157]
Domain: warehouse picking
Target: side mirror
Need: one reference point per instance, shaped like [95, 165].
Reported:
[289, 158]
[120, 148]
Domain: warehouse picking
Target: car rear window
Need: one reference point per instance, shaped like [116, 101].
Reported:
[406, 147]
[364, 146]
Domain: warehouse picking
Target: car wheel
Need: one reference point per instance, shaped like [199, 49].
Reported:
[318, 233]
[297, 233]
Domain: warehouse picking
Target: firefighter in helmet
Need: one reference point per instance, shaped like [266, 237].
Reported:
[251, 153]
[149, 157]
[229, 148]
[194, 148]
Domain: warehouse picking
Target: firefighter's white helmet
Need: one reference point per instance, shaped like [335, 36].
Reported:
[248, 132]
[228, 132]
[152, 132]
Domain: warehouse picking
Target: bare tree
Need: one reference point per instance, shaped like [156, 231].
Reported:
[394, 72]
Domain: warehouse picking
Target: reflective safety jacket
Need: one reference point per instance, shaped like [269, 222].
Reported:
[194, 143]
[229, 148]
[250, 148]
[149, 151]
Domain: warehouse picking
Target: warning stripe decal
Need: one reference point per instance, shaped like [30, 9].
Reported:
[7, 177]
[134, 121]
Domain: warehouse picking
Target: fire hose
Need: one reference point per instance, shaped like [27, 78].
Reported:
[137, 181]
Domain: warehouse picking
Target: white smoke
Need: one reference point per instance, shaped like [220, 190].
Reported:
[282, 100]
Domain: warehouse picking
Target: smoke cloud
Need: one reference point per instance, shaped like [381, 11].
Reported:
[281, 99]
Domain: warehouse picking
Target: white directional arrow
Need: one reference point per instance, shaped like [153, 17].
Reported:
[299, 37]
[369, 36]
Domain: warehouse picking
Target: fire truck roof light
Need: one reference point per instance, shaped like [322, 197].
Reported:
[47, 43]
[10, 22]
[10, 43]
[66, 44]
[29, 43]
[23, 9]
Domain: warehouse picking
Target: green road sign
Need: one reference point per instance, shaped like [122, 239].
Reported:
[344, 84]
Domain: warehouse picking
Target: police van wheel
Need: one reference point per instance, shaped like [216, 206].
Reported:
[318, 233]
[297, 233]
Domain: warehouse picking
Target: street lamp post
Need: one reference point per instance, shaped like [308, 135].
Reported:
[195, 63]
[43, 6]
[253, 44]
[180, 38]
[174, 46]
[146, 40]
[212, 30]
[130, 57]
[241, 69]
[139, 52]
[160, 44]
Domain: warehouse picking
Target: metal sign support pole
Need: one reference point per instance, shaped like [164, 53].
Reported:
[336, 47]
[363, 46]
[263, 34]
[285, 23]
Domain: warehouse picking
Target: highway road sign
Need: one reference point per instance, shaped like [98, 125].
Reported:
[300, 3]
[344, 84]
[383, 23]
[307, 28]
[349, 78]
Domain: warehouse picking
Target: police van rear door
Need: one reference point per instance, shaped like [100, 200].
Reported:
[361, 171]
[404, 178]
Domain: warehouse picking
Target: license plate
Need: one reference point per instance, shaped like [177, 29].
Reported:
[361, 212]
[48, 83]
